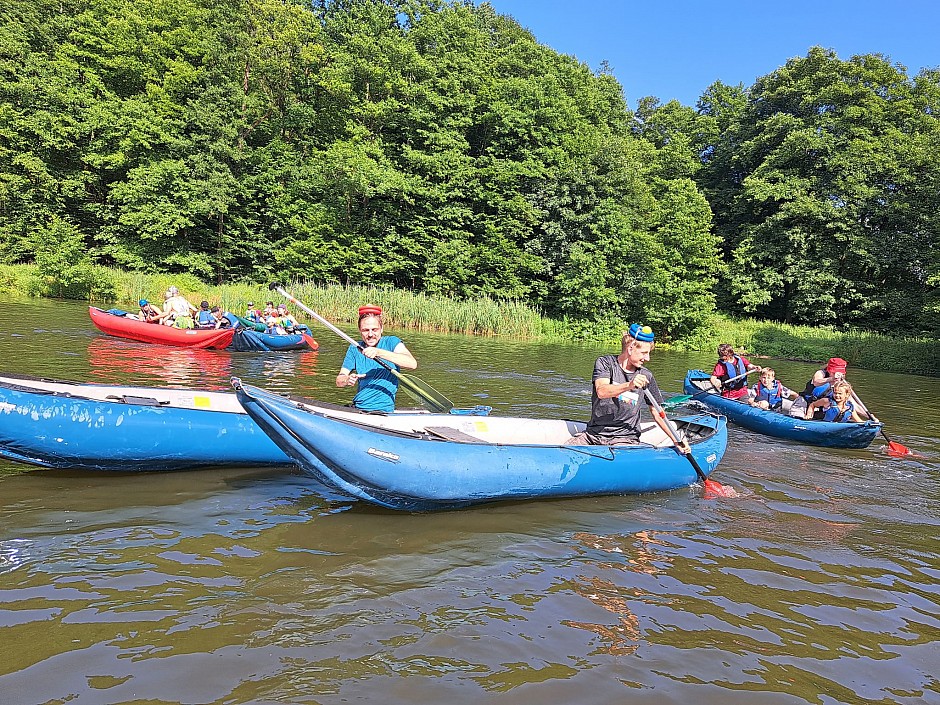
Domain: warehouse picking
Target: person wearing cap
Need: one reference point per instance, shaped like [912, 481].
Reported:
[819, 385]
[728, 367]
[377, 386]
[149, 312]
[285, 319]
[619, 385]
[253, 314]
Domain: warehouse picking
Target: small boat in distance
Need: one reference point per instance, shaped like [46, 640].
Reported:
[121, 325]
[780, 424]
[446, 462]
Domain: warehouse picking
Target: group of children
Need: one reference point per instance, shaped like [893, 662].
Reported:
[178, 312]
[277, 320]
[826, 397]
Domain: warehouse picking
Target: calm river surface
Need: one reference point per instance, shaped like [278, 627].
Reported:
[819, 584]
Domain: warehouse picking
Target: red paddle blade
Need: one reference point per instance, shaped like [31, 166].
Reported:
[897, 449]
[716, 489]
[313, 344]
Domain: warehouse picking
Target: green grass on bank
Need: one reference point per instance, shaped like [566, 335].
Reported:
[871, 351]
[409, 310]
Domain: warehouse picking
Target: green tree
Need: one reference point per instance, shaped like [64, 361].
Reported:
[824, 161]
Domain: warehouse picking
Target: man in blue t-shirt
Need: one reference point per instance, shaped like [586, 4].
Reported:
[377, 385]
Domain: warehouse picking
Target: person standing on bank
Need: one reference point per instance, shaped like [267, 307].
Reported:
[619, 384]
[377, 385]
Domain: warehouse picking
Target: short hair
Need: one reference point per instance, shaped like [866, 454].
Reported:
[771, 370]
[215, 308]
[725, 349]
[842, 384]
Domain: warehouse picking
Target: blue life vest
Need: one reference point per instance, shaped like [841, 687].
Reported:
[833, 414]
[773, 396]
[205, 318]
[811, 393]
[735, 368]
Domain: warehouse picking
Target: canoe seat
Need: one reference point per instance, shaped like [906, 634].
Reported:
[452, 434]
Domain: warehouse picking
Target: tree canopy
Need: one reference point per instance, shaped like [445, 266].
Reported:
[436, 145]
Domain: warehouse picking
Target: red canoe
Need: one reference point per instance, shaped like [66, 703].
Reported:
[131, 328]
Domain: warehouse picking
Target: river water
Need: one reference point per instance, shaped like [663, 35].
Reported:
[818, 584]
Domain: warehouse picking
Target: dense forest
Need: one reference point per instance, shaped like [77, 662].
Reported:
[435, 145]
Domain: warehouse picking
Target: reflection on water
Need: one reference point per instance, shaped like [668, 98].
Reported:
[817, 585]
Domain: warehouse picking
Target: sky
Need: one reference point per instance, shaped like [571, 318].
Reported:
[675, 49]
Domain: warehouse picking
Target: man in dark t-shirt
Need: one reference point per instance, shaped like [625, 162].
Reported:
[619, 382]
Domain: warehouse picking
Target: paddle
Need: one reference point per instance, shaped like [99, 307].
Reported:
[893, 447]
[735, 379]
[711, 486]
[673, 402]
[419, 390]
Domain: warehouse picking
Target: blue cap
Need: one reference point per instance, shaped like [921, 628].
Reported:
[142, 302]
[642, 334]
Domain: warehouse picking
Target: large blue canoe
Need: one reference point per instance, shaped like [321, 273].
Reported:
[446, 462]
[780, 425]
[58, 424]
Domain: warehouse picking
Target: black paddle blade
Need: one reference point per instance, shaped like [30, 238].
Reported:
[274, 286]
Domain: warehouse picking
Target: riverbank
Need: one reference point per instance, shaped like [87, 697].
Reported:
[410, 310]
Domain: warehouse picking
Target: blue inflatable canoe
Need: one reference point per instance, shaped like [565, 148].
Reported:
[780, 425]
[446, 462]
[57, 424]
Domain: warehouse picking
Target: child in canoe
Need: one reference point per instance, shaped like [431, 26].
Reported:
[769, 391]
[836, 407]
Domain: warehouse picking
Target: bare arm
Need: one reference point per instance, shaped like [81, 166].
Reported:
[345, 378]
[606, 390]
[401, 356]
[818, 404]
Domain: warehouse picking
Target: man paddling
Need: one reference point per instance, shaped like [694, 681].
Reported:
[619, 383]
[377, 385]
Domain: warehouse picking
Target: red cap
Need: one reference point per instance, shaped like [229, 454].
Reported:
[836, 364]
[370, 310]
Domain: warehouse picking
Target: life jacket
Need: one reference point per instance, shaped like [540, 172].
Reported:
[813, 393]
[735, 368]
[833, 414]
[205, 318]
[773, 396]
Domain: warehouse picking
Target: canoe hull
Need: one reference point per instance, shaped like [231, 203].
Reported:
[771, 423]
[69, 425]
[415, 472]
[133, 329]
[65, 430]
[255, 341]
